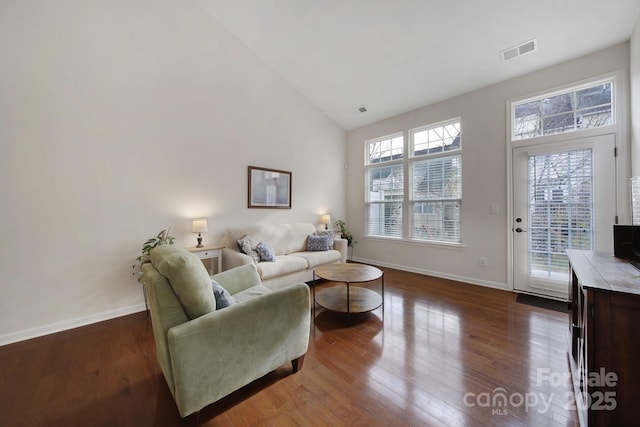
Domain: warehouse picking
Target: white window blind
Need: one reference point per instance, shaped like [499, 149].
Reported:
[635, 200]
[385, 186]
[560, 210]
[435, 199]
[429, 197]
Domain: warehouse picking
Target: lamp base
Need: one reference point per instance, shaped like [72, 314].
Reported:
[199, 245]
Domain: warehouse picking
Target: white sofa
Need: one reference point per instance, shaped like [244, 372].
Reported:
[293, 263]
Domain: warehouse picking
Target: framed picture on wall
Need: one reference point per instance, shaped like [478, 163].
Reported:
[269, 188]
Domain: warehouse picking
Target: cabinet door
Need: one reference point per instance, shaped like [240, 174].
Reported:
[585, 350]
[616, 351]
[577, 301]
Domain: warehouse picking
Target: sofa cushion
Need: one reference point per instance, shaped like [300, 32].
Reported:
[266, 252]
[284, 265]
[317, 243]
[222, 296]
[315, 259]
[283, 238]
[188, 278]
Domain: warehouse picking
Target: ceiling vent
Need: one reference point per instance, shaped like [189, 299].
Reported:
[521, 49]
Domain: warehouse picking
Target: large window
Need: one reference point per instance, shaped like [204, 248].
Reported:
[433, 180]
[435, 176]
[385, 186]
[582, 107]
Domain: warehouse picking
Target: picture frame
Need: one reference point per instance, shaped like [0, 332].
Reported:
[269, 188]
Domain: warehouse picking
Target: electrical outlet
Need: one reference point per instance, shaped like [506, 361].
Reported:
[482, 261]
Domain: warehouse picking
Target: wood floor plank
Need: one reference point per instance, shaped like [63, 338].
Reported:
[429, 359]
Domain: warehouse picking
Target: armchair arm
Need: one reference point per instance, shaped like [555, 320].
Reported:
[232, 258]
[238, 278]
[220, 352]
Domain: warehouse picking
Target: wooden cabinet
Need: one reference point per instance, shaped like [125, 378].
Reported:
[604, 333]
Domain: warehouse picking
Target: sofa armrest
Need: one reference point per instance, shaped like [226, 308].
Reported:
[232, 258]
[220, 352]
[342, 246]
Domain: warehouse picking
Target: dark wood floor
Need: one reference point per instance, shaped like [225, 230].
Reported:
[445, 353]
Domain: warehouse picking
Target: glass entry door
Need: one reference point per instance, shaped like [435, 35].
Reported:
[564, 198]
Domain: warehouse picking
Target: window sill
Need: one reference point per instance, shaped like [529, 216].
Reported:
[414, 242]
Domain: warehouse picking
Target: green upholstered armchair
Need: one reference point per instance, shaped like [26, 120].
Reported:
[206, 353]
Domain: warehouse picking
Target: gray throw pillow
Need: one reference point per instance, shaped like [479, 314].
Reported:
[317, 243]
[223, 297]
[330, 233]
[245, 244]
[266, 252]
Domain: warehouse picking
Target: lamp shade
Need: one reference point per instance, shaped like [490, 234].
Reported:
[199, 226]
[325, 219]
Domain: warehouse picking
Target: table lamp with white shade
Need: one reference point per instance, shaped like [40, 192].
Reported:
[199, 226]
[326, 220]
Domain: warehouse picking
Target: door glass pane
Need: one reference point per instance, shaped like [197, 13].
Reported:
[560, 194]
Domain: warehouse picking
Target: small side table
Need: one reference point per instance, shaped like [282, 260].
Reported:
[209, 252]
[348, 298]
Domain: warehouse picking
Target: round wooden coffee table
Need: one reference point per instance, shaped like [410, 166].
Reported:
[347, 298]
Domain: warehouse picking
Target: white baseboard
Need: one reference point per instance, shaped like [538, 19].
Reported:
[486, 283]
[69, 324]
[99, 317]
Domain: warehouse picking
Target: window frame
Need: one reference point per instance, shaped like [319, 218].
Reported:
[569, 89]
[414, 158]
[373, 166]
[406, 160]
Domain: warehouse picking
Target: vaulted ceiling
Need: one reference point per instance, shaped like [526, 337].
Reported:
[392, 56]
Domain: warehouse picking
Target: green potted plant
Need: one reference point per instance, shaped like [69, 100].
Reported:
[345, 233]
[162, 238]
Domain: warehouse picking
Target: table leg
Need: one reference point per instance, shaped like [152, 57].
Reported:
[382, 306]
[313, 289]
[348, 305]
[146, 303]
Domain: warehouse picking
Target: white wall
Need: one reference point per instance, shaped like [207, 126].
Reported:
[120, 118]
[484, 169]
[634, 72]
